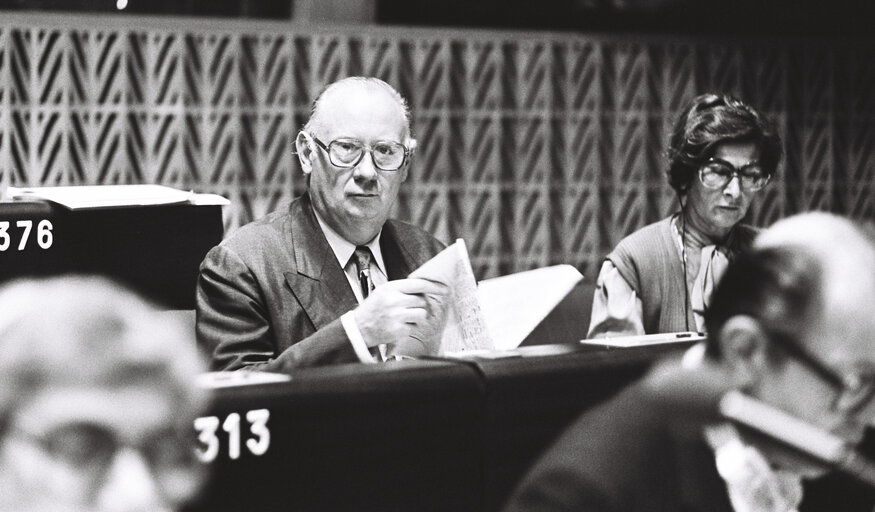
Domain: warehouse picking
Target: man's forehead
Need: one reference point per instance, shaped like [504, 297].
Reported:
[359, 100]
[847, 259]
[820, 232]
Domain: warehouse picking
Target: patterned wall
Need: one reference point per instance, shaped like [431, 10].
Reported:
[537, 148]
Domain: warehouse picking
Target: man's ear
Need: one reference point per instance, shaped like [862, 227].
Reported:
[306, 150]
[744, 345]
[411, 146]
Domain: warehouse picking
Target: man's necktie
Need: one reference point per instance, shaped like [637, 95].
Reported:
[363, 267]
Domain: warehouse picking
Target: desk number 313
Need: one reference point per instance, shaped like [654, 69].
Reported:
[208, 427]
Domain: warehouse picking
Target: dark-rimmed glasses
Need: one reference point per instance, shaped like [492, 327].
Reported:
[91, 448]
[347, 153]
[717, 173]
[855, 389]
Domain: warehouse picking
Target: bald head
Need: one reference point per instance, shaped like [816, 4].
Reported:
[361, 87]
[807, 275]
[844, 252]
[792, 322]
[827, 235]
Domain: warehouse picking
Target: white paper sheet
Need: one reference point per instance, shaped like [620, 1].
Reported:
[645, 339]
[513, 305]
[113, 196]
[465, 328]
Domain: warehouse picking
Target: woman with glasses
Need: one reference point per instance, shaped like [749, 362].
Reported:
[722, 153]
[97, 402]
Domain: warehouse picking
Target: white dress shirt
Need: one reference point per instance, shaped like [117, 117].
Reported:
[343, 251]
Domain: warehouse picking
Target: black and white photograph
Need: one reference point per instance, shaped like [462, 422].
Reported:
[437, 256]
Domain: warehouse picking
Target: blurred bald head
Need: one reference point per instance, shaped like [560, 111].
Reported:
[844, 252]
[793, 320]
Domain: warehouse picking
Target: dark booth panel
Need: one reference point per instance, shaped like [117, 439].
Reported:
[533, 396]
[154, 249]
[437, 435]
[394, 437]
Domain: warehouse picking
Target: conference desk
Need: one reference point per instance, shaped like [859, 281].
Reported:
[154, 249]
[433, 435]
[399, 436]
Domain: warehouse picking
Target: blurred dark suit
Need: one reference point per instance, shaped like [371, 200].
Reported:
[629, 454]
[644, 450]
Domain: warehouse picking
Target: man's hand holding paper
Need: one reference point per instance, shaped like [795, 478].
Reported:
[401, 309]
[464, 327]
[425, 336]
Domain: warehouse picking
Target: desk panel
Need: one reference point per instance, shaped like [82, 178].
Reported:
[400, 436]
[154, 249]
[437, 435]
[530, 399]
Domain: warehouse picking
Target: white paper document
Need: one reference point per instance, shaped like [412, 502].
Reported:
[502, 311]
[113, 196]
[515, 304]
[646, 339]
[465, 328]
[216, 380]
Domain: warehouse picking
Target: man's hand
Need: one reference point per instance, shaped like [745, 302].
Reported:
[425, 338]
[408, 312]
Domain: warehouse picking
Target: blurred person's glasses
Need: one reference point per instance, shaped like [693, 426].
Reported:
[347, 153]
[91, 449]
[855, 388]
[717, 173]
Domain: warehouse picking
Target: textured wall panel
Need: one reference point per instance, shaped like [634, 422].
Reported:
[537, 148]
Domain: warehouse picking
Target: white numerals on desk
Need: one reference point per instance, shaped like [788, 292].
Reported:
[43, 234]
[208, 428]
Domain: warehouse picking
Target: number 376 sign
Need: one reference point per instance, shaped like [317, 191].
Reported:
[17, 235]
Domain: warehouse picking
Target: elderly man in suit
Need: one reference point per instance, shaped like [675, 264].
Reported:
[324, 280]
[791, 326]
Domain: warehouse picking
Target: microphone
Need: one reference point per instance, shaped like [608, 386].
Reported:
[695, 397]
[814, 442]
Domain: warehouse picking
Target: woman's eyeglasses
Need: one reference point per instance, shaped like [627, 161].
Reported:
[717, 173]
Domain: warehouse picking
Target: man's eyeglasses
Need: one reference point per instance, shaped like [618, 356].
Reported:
[855, 389]
[717, 173]
[347, 153]
[91, 448]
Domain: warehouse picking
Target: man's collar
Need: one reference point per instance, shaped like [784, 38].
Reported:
[343, 248]
[751, 481]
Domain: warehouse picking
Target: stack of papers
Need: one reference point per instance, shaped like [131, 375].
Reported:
[645, 339]
[114, 196]
[498, 314]
[216, 380]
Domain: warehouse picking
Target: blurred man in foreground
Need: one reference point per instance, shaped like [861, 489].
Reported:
[324, 280]
[791, 325]
[97, 402]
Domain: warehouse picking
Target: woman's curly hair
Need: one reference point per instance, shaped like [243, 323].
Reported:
[712, 119]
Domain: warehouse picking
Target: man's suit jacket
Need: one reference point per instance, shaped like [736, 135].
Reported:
[271, 295]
